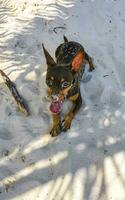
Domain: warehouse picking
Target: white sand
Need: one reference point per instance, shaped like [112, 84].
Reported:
[87, 162]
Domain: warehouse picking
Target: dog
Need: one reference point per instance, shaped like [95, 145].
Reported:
[63, 81]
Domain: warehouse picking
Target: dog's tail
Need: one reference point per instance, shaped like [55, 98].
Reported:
[65, 38]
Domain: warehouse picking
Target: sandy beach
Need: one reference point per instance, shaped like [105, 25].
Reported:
[86, 162]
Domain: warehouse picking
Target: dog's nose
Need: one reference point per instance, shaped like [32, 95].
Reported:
[55, 98]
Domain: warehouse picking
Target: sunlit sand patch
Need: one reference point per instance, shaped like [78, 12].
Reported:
[44, 163]
[112, 178]
[47, 9]
[40, 142]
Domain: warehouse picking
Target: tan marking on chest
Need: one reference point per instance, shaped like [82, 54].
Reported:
[74, 97]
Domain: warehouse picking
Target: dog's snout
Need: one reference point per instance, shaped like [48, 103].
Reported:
[55, 98]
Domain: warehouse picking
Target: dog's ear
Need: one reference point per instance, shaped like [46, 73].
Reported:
[49, 60]
[65, 38]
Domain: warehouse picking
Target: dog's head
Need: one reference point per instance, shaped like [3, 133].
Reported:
[59, 78]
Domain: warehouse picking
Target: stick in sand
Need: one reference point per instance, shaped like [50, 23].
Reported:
[21, 104]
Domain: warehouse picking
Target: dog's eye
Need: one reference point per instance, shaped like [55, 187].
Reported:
[49, 82]
[65, 84]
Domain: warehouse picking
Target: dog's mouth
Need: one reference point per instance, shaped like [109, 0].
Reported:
[56, 106]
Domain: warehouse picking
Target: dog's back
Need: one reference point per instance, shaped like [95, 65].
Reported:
[66, 51]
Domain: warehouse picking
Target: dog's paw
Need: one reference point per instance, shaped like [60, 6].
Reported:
[66, 123]
[56, 130]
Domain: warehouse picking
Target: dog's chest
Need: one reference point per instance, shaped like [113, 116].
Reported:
[76, 85]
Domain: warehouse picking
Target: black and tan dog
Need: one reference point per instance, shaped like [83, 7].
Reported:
[63, 81]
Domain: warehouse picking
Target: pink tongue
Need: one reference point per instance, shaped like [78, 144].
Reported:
[56, 107]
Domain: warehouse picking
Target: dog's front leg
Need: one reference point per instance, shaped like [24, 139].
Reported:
[77, 102]
[56, 129]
